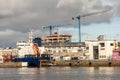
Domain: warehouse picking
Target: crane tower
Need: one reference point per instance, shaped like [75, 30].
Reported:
[85, 15]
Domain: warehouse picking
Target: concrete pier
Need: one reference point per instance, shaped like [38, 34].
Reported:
[87, 63]
[72, 63]
[11, 65]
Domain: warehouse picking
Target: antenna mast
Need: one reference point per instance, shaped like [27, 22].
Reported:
[30, 36]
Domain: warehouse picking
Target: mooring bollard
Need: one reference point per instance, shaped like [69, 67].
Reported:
[90, 63]
[110, 63]
[70, 64]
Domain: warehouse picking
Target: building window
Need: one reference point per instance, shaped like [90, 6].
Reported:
[54, 51]
[102, 48]
[104, 56]
[79, 50]
[49, 50]
[59, 51]
[87, 48]
[102, 44]
[64, 50]
[111, 44]
[118, 53]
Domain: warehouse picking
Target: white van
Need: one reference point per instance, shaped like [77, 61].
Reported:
[82, 58]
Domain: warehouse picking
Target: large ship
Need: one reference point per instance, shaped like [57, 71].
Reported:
[31, 52]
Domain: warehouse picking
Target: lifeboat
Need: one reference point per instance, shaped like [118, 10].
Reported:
[36, 49]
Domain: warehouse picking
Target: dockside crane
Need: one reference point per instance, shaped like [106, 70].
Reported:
[85, 15]
[50, 27]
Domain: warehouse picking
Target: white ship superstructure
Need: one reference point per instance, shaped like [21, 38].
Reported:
[25, 48]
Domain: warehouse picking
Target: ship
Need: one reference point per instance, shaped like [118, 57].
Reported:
[32, 52]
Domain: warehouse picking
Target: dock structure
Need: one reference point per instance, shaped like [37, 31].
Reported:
[61, 63]
[88, 63]
[11, 65]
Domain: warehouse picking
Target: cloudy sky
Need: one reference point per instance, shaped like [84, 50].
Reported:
[18, 17]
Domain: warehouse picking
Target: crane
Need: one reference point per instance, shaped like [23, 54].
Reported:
[52, 26]
[79, 18]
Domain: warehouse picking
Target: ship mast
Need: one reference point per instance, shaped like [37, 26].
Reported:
[30, 36]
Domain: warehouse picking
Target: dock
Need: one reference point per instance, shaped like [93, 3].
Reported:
[71, 63]
[11, 65]
[88, 63]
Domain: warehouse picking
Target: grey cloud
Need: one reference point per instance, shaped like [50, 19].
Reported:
[86, 6]
[22, 15]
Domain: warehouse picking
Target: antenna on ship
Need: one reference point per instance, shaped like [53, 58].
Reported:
[30, 36]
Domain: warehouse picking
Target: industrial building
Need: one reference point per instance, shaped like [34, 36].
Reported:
[100, 49]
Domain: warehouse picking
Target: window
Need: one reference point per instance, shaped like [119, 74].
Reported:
[64, 50]
[119, 54]
[54, 51]
[79, 50]
[49, 50]
[111, 44]
[87, 48]
[102, 48]
[104, 56]
[59, 51]
[102, 44]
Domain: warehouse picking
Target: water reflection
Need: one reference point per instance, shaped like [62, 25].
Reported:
[103, 73]
[101, 70]
[60, 73]
[27, 71]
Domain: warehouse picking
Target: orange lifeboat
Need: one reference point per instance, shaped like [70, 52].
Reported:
[36, 49]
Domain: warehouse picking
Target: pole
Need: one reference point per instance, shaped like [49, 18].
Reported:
[50, 30]
[79, 29]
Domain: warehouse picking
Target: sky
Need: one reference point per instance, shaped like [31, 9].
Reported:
[18, 17]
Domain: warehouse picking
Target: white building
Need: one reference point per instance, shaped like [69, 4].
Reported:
[99, 49]
[73, 49]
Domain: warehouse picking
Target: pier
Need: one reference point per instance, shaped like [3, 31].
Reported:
[71, 63]
[87, 63]
[11, 65]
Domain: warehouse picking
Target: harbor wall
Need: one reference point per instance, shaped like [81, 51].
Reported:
[87, 63]
[11, 65]
[72, 63]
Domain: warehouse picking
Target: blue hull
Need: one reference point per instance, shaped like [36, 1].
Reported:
[33, 61]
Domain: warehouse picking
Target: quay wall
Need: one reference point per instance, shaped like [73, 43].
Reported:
[87, 63]
[72, 63]
[11, 65]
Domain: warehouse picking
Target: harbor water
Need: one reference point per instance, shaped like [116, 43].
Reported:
[61, 73]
